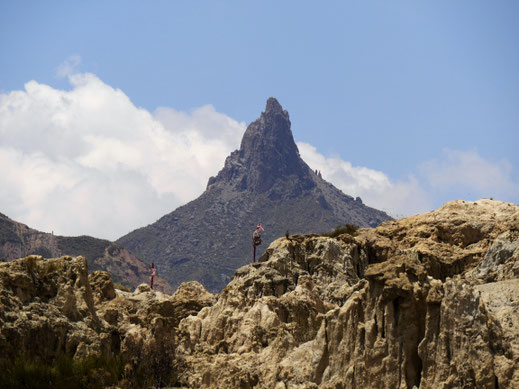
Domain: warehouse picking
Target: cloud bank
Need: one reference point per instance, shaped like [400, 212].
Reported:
[453, 175]
[456, 170]
[89, 162]
[397, 198]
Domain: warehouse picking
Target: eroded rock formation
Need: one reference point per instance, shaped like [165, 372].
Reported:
[53, 307]
[430, 301]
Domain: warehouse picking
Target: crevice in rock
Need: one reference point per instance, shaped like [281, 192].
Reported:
[396, 309]
[371, 254]
[325, 359]
[448, 347]
[362, 339]
[383, 325]
[418, 365]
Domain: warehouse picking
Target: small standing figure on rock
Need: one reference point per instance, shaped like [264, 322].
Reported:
[256, 240]
[153, 272]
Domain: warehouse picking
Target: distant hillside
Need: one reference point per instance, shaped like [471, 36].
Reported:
[18, 240]
[264, 181]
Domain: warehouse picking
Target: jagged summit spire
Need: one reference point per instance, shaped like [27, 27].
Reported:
[270, 131]
[267, 153]
[273, 106]
[264, 180]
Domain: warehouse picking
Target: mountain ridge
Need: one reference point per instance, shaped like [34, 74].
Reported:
[18, 240]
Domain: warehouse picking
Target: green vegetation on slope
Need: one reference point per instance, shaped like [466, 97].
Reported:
[349, 229]
[86, 246]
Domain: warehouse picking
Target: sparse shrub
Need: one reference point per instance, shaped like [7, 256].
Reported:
[144, 367]
[349, 229]
[124, 288]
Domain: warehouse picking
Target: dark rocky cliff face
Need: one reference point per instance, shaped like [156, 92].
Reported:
[264, 181]
[267, 154]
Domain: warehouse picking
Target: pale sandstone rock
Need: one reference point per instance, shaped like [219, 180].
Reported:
[101, 283]
[412, 303]
[47, 308]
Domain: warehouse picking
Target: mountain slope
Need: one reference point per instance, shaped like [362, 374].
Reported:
[264, 181]
[18, 240]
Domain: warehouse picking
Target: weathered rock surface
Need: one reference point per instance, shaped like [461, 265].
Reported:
[429, 302]
[47, 308]
[52, 307]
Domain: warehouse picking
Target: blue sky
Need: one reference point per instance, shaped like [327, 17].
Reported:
[414, 101]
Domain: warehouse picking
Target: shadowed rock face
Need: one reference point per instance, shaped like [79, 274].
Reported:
[267, 153]
[264, 181]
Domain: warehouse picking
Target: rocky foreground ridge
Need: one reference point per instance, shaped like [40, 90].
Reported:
[430, 301]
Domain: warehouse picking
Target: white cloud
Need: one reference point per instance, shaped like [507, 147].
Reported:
[454, 175]
[374, 187]
[87, 161]
[69, 66]
[469, 172]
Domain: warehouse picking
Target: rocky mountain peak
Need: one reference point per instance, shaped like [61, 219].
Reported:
[265, 181]
[267, 154]
[273, 106]
[271, 131]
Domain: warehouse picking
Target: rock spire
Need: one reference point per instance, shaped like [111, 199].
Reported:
[267, 154]
[265, 181]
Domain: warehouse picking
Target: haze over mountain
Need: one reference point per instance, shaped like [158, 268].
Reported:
[266, 182]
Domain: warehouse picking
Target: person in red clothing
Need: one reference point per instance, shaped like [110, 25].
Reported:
[153, 272]
[256, 240]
